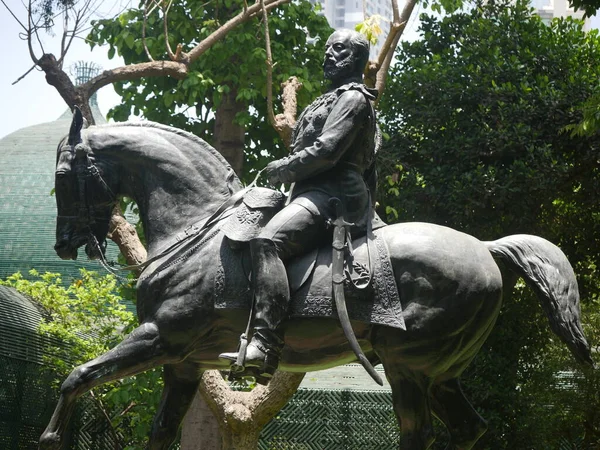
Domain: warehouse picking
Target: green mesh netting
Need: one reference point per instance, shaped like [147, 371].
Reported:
[313, 419]
[27, 210]
[27, 396]
[338, 419]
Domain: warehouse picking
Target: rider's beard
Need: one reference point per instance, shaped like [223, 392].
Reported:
[339, 70]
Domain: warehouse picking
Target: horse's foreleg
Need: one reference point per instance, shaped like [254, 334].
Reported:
[181, 383]
[451, 406]
[140, 351]
[411, 405]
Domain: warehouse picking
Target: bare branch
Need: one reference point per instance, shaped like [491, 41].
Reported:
[29, 32]
[153, 6]
[24, 75]
[166, 31]
[376, 71]
[396, 22]
[124, 235]
[33, 29]
[396, 28]
[285, 122]
[63, 41]
[177, 69]
[269, 61]
[14, 17]
[108, 419]
[144, 31]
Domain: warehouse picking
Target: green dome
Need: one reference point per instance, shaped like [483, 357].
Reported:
[27, 208]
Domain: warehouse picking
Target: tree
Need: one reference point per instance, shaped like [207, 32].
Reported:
[475, 110]
[224, 98]
[234, 82]
[80, 322]
[215, 24]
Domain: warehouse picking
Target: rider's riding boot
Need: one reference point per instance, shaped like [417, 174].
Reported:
[272, 295]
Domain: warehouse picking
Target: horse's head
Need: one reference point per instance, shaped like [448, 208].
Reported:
[84, 198]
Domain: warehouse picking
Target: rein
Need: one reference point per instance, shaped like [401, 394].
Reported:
[198, 230]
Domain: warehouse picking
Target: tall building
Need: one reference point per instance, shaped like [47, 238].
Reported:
[348, 13]
[549, 9]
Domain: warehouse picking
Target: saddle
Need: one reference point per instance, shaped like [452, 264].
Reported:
[369, 285]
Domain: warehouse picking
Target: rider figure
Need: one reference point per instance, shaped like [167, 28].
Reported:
[333, 155]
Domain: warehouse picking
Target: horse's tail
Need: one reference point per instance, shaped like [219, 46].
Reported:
[545, 268]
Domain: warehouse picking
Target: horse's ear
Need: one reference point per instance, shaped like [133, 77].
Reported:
[76, 125]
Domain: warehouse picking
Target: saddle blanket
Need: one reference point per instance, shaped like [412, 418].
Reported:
[374, 301]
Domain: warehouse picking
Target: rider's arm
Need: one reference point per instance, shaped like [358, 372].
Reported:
[339, 131]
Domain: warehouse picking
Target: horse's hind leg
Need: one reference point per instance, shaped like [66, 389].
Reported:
[181, 383]
[451, 406]
[140, 351]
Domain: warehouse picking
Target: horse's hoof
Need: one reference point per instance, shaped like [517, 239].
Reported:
[49, 441]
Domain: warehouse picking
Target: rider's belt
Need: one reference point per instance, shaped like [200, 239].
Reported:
[350, 166]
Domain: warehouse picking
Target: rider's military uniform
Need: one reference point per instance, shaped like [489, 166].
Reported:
[333, 155]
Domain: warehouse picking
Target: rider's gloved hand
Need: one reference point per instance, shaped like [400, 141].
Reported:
[272, 171]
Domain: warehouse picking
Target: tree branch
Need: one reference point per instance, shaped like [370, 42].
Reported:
[220, 33]
[24, 75]
[269, 61]
[376, 72]
[285, 122]
[122, 233]
[29, 33]
[144, 24]
[243, 412]
[14, 16]
[165, 11]
[177, 69]
[174, 69]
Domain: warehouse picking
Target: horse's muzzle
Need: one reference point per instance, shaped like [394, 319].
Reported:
[64, 250]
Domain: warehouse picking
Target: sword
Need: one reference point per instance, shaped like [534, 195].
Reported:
[337, 269]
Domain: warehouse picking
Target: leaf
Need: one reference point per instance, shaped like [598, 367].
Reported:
[129, 40]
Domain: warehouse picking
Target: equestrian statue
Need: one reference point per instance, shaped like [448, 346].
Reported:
[310, 282]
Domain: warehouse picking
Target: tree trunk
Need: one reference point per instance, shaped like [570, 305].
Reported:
[243, 415]
[200, 429]
[124, 235]
[228, 136]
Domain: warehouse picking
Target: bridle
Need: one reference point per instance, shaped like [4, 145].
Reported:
[87, 174]
[88, 178]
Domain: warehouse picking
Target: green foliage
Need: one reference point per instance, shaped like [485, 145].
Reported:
[46, 11]
[83, 321]
[448, 6]
[234, 64]
[475, 110]
[371, 28]
[590, 124]
[87, 308]
[589, 7]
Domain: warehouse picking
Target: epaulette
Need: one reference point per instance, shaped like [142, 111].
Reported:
[371, 94]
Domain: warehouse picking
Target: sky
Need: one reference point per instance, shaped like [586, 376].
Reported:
[32, 100]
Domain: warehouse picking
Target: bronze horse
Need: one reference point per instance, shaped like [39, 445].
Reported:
[449, 284]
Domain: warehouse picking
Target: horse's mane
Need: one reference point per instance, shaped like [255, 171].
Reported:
[159, 126]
